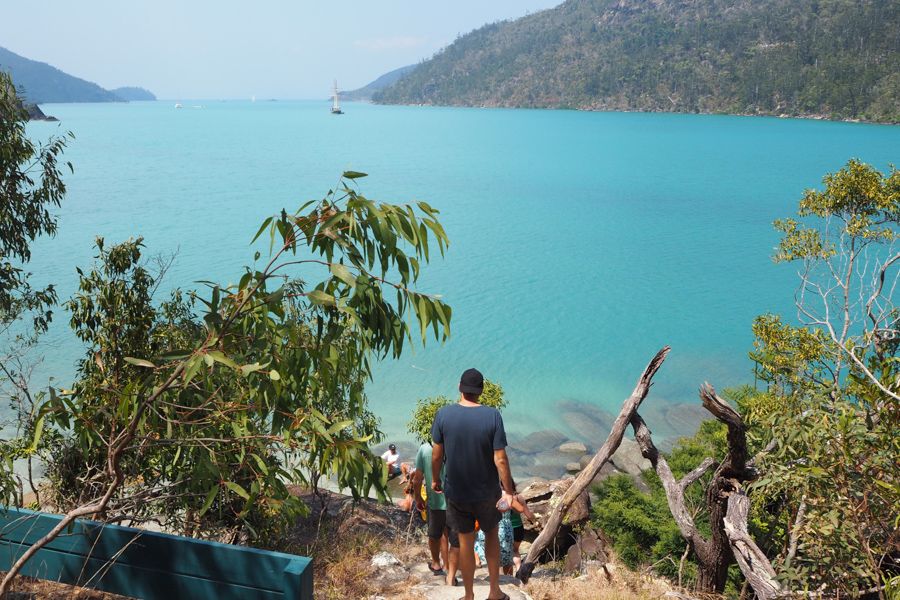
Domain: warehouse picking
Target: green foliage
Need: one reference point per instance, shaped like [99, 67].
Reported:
[806, 57]
[639, 523]
[864, 203]
[263, 389]
[640, 526]
[31, 186]
[426, 408]
[831, 483]
[493, 395]
[423, 417]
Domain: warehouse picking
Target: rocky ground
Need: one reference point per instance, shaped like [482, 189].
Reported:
[378, 551]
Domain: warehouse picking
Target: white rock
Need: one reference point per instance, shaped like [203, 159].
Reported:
[385, 559]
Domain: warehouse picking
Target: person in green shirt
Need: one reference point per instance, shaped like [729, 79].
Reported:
[442, 542]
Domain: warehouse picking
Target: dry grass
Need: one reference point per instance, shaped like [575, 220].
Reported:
[343, 567]
[618, 584]
[26, 588]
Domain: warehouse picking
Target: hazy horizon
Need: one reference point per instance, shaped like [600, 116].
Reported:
[205, 50]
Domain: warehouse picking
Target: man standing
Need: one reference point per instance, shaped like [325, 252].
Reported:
[439, 536]
[470, 442]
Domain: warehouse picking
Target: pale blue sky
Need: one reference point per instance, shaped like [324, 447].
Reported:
[237, 49]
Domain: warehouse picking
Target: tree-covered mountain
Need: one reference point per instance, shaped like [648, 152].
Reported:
[39, 82]
[133, 94]
[367, 91]
[836, 58]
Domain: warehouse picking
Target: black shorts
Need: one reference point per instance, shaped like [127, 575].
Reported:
[461, 516]
[453, 538]
[437, 523]
[519, 533]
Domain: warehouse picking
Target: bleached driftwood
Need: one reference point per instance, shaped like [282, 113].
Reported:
[587, 475]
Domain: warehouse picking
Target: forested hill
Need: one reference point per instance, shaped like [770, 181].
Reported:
[134, 94]
[835, 58]
[39, 83]
[367, 91]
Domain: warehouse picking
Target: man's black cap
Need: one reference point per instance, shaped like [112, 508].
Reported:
[471, 382]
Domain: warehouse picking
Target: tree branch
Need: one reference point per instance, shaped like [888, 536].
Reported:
[702, 468]
[674, 490]
[554, 520]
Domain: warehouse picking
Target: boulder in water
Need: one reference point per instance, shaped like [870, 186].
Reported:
[573, 448]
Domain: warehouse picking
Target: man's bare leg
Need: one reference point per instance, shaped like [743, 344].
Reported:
[467, 562]
[444, 543]
[452, 564]
[492, 555]
[434, 546]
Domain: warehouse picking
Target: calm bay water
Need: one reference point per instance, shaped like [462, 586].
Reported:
[580, 242]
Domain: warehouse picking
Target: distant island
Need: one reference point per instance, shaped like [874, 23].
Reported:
[810, 58]
[366, 92]
[40, 83]
[134, 94]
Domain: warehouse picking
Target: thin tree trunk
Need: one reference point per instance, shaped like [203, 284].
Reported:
[753, 563]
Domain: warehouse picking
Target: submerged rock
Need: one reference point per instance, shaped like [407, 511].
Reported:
[573, 448]
[538, 441]
[628, 458]
[590, 423]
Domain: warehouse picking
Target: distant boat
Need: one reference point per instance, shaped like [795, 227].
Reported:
[178, 105]
[335, 106]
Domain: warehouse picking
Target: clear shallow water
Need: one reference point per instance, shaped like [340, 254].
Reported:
[580, 242]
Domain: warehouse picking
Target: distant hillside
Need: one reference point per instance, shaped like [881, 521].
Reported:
[835, 58]
[39, 82]
[366, 92]
[133, 94]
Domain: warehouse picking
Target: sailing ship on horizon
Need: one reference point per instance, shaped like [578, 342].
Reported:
[335, 105]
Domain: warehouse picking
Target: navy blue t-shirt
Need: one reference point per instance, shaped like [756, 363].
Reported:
[469, 434]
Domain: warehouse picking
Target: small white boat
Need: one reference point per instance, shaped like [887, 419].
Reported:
[178, 105]
[335, 105]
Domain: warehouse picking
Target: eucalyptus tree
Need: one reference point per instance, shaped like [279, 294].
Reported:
[208, 420]
[831, 480]
[31, 186]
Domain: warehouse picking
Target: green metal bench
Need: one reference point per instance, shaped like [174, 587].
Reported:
[149, 565]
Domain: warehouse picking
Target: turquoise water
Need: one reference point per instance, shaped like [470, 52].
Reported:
[580, 242]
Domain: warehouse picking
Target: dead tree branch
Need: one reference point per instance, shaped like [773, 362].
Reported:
[554, 520]
[729, 536]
